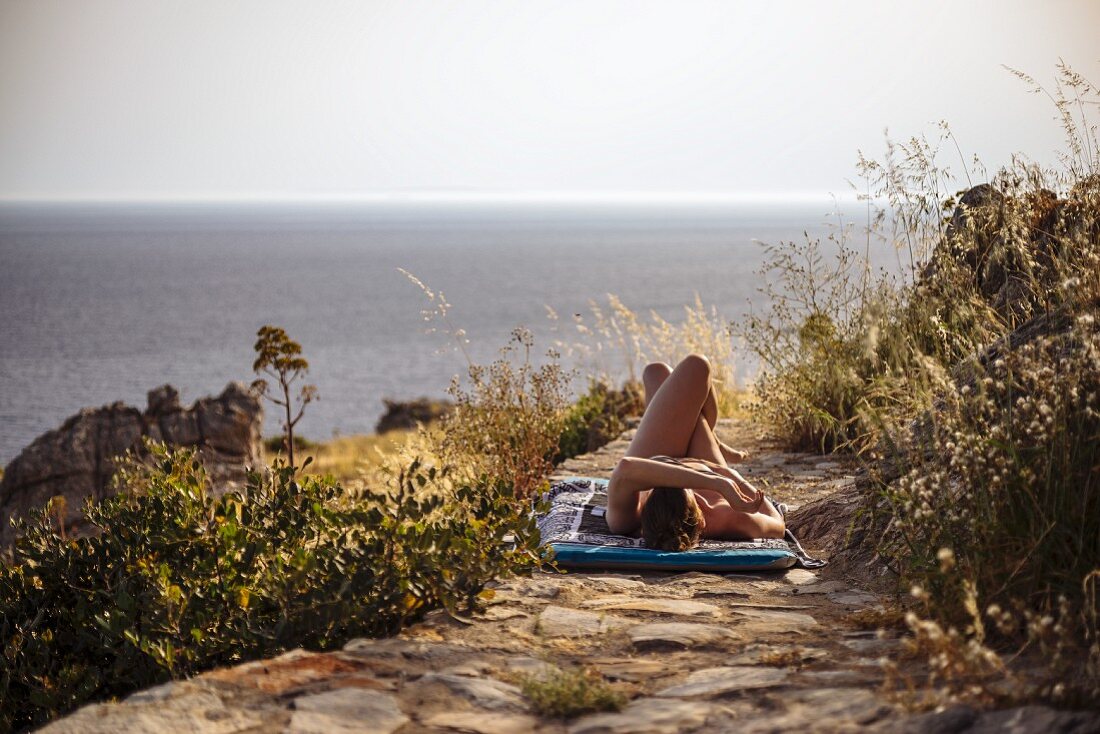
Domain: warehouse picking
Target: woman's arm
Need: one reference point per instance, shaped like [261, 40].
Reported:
[766, 522]
[633, 475]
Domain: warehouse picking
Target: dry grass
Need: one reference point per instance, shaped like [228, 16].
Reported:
[995, 428]
[614, 343]
[352, 458]
[570, 693]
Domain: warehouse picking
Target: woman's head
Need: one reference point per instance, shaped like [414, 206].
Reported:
[671, 519]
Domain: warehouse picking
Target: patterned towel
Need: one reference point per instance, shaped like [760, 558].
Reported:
[578, 514]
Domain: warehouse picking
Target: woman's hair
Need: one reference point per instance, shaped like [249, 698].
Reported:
[670, 521]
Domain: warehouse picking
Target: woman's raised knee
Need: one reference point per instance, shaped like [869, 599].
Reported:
[656, 372]
[696, 363]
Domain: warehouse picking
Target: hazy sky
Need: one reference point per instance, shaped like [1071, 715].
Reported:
[258, 98]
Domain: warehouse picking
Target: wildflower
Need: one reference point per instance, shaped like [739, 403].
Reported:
[946, 557]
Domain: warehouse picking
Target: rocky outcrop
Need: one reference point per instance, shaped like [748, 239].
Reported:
[405, 415]
[78, 459]
[1014, 248]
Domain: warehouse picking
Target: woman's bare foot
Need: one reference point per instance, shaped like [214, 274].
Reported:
[732, 456]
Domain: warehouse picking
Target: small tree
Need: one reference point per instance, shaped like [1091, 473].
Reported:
[279, 356]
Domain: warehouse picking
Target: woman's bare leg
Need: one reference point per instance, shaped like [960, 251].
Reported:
[673, 407]
[654, 375]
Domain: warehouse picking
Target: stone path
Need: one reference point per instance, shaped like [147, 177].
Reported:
[692, 651]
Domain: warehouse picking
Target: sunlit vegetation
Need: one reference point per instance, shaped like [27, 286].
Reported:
[971, 385]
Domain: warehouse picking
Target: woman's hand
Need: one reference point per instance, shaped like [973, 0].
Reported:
[740, 494]
[735, 488]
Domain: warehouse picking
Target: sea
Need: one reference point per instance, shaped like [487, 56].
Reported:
[103, 302]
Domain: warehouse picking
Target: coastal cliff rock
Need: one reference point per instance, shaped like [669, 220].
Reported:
[406, 414]
[77, 460]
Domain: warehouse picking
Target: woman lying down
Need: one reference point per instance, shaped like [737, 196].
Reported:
[674, 483]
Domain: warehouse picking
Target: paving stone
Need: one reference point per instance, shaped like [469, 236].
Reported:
[825, 587]
[398, 648]
[615, 583]
[683, 607]
[468, 668]
[828, 678]
[819, 710]
[501, 613]
[679, 634]
[482, 722]
[855, 704]
[872, 646]
[346, 711]
[647, 716]
[288, 672]
[1020, 720]
[526, 665]
[539, 586]
[557, 621]
[186, 707]
[785, 606]
[800, 577]
[853, 599]
[156, 693]
[632, 669]
[765, 620]
[717, 681]
[761, 654]
[722, 589]
[486, 693]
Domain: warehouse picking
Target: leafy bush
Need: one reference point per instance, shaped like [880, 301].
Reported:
[275, 444]
[177, 581]
[598, 417]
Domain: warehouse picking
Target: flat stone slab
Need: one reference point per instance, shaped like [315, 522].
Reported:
[614, 583]
[800, 577]
[346, 711]
[182, 706]
[824, 587]
[717, 681]
[679, 634]
[825, 711]
[632, 669]
[769, 654]
[683, 607]
[647, 716]
[767, 620]
[555, 621]
[486, 693]
[853, 599]
[721, 589]
[502, 612]
[482, 722]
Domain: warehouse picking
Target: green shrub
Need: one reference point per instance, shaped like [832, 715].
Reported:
[177, 581]
[570, 693]
[598, 417]
[275, 444]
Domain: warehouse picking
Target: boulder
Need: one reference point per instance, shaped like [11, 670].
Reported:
[405, 415]
[78, 460]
